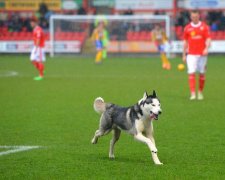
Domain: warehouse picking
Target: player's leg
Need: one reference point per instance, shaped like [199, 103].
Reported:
[33, 57]
[41, 62]
[105, 42]
[104, 50]
[104, 53]
[165, 60]
[41, 67]
[98, 57]
[192, 67]
[35, 63]
[166, 63]
[99, 47]
[201, 69]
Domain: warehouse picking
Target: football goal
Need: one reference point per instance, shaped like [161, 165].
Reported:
[125, 34]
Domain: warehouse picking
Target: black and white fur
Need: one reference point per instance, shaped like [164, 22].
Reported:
[136, 120]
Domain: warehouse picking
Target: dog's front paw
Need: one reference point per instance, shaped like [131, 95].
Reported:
[158, 163]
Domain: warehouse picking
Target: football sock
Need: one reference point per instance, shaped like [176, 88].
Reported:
[41, 69]
[192, 82]
[201, 82]
[98, 57]
[35, 63]
[104, 53]
[164, 59]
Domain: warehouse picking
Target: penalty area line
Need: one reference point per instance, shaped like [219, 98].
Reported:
[8, 73]
[15, 149]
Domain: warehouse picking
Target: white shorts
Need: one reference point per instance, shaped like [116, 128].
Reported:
[196, 63]
[37, 54]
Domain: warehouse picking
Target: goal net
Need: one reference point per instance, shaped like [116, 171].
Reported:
[71, 34]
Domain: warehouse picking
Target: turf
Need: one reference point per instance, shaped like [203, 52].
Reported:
[57, 114]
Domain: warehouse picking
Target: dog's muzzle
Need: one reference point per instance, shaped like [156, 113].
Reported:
[155, 116]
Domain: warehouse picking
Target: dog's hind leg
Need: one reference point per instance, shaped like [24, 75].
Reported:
[115, 138]
[105, 127]
[99, 133]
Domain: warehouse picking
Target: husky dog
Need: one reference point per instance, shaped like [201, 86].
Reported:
[136, 120]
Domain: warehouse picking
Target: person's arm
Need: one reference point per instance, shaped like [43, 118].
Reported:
[185, 46]
[207, 45]
[37, 43]
[93, 35]
[38, 37]
[153, 35]
[207, 42]
[165, 36]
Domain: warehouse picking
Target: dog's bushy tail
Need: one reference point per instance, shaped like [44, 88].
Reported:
[99, 105]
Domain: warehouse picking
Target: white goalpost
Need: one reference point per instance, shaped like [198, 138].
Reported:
[70, 34]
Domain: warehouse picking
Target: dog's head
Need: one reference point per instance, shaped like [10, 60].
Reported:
[150, 106]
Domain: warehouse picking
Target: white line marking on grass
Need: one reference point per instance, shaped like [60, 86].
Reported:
[8, 73]
[15, 149]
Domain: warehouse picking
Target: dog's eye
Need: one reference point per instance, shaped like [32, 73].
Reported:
[153, 104]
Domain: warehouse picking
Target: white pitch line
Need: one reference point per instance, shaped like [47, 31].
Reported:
[8, 73]
[16, 149]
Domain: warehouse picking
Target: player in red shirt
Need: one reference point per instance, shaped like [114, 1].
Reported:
[38, 54]
[196, 44]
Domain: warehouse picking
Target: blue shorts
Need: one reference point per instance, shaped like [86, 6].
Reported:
[161, 48]
[98, 44]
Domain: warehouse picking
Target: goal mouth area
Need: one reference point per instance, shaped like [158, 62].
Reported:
[71, 34]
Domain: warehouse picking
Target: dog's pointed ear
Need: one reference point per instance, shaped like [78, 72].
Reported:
[145, 95]
[154, 94]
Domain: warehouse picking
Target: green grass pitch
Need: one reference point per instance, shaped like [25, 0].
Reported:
[57, 114]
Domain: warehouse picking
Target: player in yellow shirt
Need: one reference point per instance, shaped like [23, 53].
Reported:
[160, 38]
[97, 37]
[105, 40]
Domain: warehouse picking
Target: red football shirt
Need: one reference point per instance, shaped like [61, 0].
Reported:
[196, 36]
[38, 34]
